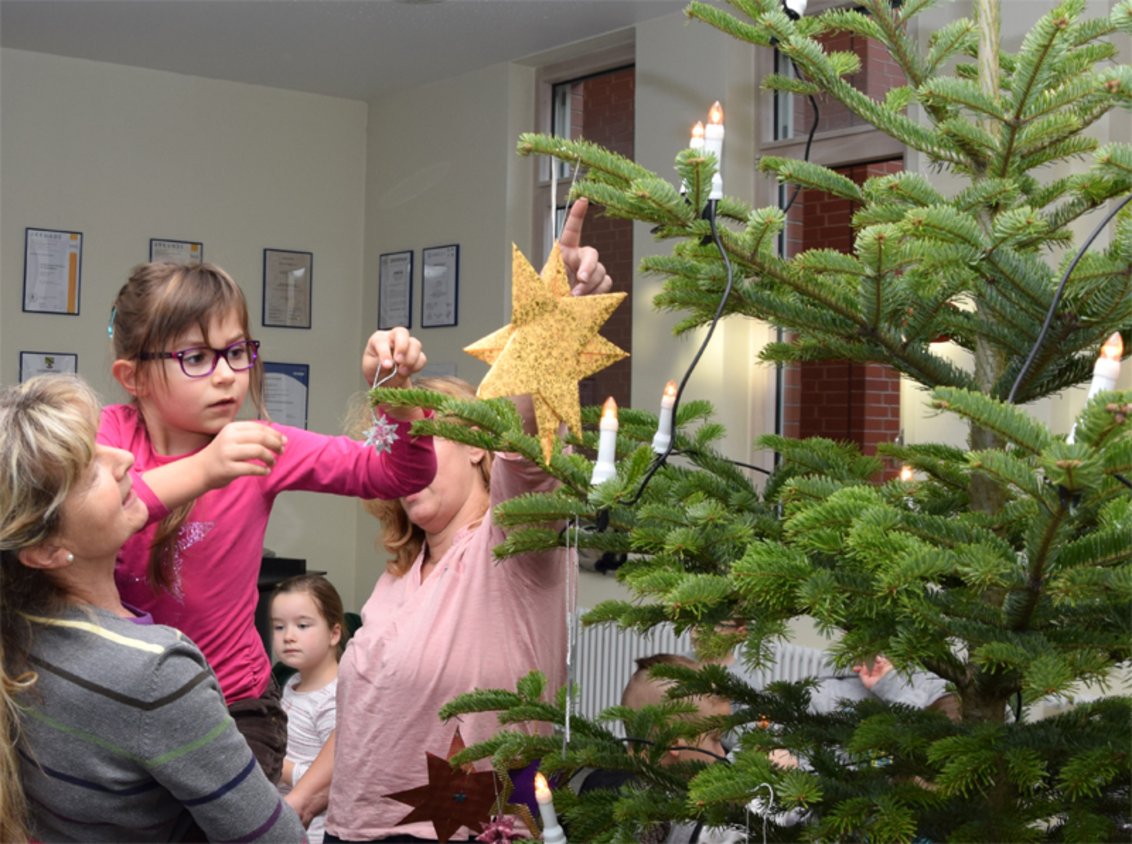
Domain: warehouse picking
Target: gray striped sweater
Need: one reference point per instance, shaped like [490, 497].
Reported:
[125, 737]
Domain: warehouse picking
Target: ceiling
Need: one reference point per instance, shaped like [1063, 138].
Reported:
[359, 49]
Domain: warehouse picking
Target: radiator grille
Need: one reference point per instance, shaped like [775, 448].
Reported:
[606, 657]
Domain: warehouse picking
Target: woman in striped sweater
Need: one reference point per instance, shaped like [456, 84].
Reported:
[122, 733]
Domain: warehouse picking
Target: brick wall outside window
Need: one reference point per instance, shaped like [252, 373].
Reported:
[602, 111]
[840, 400]
[878, 74]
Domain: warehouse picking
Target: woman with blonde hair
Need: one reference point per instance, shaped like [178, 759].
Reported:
[13, 807]
[120, 732]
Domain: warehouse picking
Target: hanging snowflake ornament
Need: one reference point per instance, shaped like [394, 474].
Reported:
[382, 433]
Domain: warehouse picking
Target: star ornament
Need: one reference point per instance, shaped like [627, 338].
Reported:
[381, 434]
[551, 344]
[453, 797]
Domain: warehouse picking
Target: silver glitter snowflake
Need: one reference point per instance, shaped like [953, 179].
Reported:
[381, 434]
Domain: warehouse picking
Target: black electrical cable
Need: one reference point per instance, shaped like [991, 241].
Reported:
[713, 755]
[809, 142]
[659, 460]
[1057, 297]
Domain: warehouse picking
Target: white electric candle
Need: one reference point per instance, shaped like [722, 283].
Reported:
[605, 468]
[1105, 371]
[696, 144]
[906, 474]
[713, 143]
[697, 141]
[663, 436]
[552, 832]
[1107, 368]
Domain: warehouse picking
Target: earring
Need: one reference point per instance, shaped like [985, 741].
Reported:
[70, 557]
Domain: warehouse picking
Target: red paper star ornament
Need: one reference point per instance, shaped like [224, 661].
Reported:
[453, 798]
[550, 345]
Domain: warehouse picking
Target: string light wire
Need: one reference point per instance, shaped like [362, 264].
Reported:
[1057, 297]
[660, 459]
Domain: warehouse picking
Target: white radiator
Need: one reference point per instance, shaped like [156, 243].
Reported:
[606, 657]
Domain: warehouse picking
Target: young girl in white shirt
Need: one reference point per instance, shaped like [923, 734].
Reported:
[308, 634]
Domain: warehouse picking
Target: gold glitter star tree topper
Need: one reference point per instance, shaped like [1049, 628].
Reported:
[551, 344]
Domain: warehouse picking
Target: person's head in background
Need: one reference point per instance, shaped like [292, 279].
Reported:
[458, 497]
[308, 625]
[643, 689]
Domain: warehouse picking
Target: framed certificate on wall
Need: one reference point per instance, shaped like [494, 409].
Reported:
[287, 288]
[47, 363]
[395, 290]
[440, 285]
[53, 263]
[176, 251]
[286, 391]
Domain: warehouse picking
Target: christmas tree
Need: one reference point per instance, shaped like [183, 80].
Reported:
[1004, 568]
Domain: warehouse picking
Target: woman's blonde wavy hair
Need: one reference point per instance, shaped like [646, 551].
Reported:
[402, 539]
[47, 439]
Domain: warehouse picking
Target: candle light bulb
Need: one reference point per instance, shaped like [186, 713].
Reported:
[1113, 347]
[1105, 372]
[906, 473]
[663, 436]
[696, 144]
[1107, 368]
[604, 468]
[697, 141]
[713, 143]
[552, 832]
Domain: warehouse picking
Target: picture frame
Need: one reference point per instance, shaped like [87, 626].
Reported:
[288, 276]
[440, 285]
[53, 263]
[176, 251]
[286, 392]
[47, 363]
[395, 290]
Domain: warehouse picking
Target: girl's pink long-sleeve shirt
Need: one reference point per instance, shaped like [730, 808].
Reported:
[216, 560]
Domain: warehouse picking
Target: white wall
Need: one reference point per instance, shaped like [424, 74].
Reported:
[442, 169]
[682, 68]
[123, 155]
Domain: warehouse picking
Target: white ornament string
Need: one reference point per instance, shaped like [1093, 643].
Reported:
[761, 807]
[557, 227]
[572, 532]
[382, 433]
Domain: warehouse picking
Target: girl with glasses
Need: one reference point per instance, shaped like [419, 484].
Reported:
[115, 728]
[183, 351]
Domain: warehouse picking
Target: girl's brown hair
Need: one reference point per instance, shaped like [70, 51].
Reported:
[400, 537]
[47, 436]
[158, 304]
[325, 597]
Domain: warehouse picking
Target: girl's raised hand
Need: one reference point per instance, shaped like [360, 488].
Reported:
[241, 448]
[394, 348]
